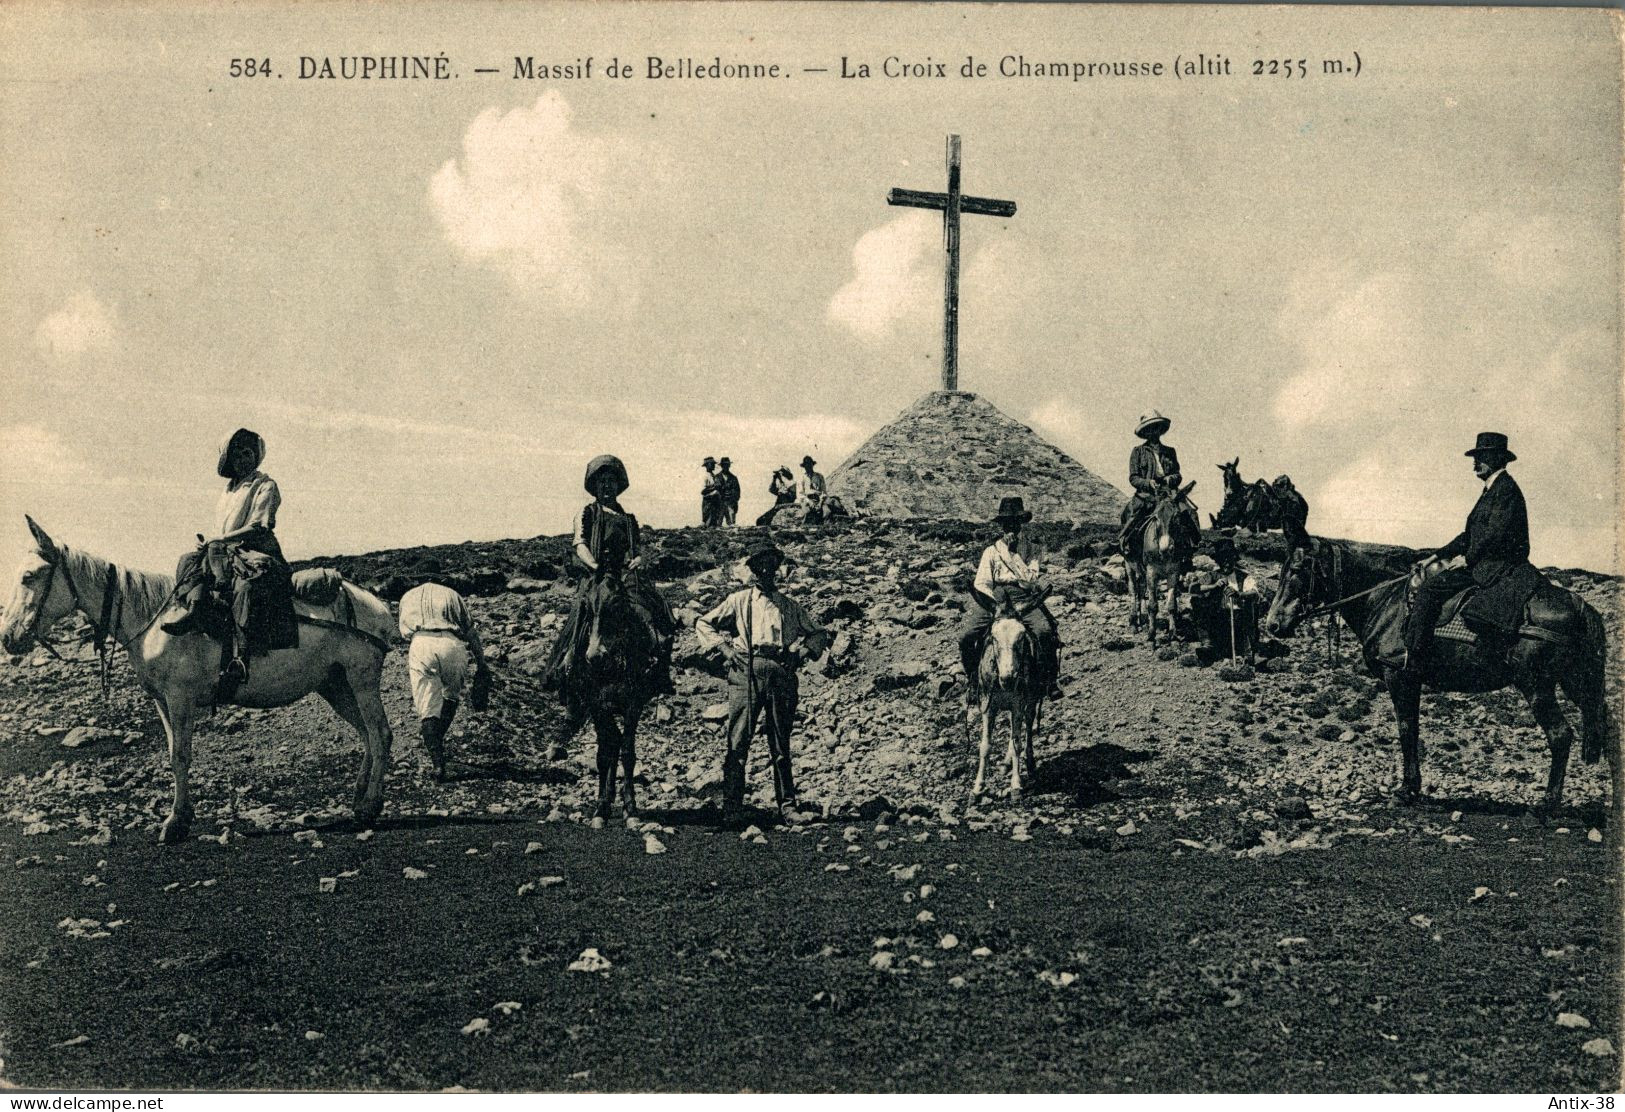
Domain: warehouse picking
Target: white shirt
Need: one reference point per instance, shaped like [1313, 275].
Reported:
[252, 500]
[1001, 567]
[434, 608]
[809, 487]
[768, 618]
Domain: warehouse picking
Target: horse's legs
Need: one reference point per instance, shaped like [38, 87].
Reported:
[1015, 750]
[1541, 692]
[609, 745]
[1152, 589]
[177, 722]
[376, 738]
[1030, 723]
[1134, 572]
[1406, 694]
[629, 759]
[365, 712]
[987, 739]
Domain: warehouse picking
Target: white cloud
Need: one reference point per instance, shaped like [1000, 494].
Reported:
[34, 455]
[545, 203]
[892, 275]
[83, 325]
[1391, 497]
[1361, 354]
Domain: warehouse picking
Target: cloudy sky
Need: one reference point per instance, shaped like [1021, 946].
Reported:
[437, 300]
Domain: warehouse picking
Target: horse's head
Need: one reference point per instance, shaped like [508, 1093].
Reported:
[39, 594]
[1011, 656]
[622, 641]
[1297, 593]
[1235, 496]
[1173, 528]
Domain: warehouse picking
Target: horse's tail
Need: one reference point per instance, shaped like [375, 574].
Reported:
[1597, 723]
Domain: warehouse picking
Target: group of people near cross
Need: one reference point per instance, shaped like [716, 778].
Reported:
[808, 492]
[763, 634]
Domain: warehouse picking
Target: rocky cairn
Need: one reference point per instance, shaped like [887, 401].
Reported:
[953, 455]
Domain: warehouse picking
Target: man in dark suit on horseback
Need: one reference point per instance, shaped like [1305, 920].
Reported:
[1153, 472]
[1494, 550]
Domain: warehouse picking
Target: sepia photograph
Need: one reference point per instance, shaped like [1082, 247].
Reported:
[809, 548]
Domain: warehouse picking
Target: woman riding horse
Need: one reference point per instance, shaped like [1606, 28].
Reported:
[606, 547]
[244, 561]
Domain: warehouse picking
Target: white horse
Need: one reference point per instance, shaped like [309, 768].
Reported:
[339, 661]
[1009, 675]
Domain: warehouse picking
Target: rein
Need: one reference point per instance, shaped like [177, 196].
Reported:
[104, 629]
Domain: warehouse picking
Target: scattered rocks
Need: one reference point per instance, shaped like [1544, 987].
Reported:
[590, 961]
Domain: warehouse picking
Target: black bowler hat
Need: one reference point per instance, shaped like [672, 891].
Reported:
[1011, 509]
[1492, 443]
[808, 461]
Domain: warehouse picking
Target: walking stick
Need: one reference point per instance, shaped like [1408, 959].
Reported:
[1229, 605]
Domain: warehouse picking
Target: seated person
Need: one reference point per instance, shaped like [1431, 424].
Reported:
[1008, 565]
[243, 563]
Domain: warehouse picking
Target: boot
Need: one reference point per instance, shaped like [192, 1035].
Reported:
[1052, 668]
[434, 735]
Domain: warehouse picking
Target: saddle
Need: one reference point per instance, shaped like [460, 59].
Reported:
[1462, 619]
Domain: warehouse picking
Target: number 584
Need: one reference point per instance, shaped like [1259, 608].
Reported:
[251, 67]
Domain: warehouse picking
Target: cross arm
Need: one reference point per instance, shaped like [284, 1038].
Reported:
[977, 206]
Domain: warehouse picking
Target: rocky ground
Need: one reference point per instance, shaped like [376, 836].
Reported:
[1207, 853]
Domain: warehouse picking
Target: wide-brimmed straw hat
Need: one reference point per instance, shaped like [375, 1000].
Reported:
[1491, 443]
[1152, 424]
[241, 436]
[1012, 509]
[614, 466]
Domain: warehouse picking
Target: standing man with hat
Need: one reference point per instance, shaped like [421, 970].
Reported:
[1153, 472]
[1493, 552]
[728, 482]
[710, 494]
[772, 635]
[1009, 565]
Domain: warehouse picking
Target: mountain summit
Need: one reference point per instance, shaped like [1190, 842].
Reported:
[954, 455]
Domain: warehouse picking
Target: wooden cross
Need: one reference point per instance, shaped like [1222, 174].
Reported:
[951, 204]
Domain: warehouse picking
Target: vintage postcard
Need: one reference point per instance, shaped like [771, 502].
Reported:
[809, 548]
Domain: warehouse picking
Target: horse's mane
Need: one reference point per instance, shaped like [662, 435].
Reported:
[141, 593]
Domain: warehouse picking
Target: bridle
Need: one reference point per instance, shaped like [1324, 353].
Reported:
[104, 629]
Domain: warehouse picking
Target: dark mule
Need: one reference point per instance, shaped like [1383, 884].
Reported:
[1561, 643]
[1168, 540]
[1259, 506]
[620, 676]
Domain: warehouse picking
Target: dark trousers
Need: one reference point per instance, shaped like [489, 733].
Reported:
[1430, 599]
[775, 694]
[208, 569]
[1134, 516]
[973, 637]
